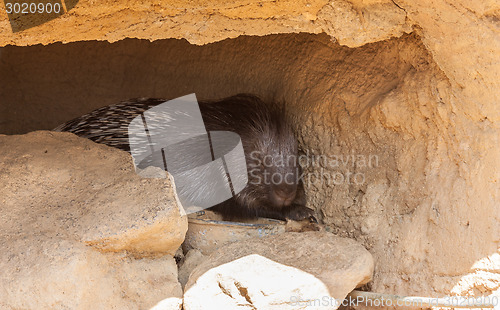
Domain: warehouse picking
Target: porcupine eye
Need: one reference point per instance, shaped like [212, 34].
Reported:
[256, 170]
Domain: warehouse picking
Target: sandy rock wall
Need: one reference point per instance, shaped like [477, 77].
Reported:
[464, 39]
[462, 36]
[202, 22]
[423, 193]
[423, 107]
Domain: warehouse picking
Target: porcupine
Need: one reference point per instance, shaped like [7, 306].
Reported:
[266, 137]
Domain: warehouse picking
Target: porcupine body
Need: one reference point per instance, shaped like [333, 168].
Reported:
[274, 188]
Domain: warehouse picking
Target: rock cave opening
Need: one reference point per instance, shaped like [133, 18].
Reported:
[391, 146]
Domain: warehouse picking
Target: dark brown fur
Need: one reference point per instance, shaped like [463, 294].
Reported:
[264, 132]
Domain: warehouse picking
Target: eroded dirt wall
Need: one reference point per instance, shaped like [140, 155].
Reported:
[423, 190]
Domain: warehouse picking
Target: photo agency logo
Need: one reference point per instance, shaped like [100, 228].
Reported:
[315, 169]
[208, 167]
[25, 14]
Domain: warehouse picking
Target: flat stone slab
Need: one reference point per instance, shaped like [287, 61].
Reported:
[287, 271]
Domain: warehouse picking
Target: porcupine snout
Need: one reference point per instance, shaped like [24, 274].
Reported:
[283, 194]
